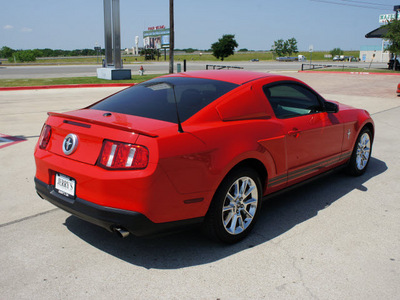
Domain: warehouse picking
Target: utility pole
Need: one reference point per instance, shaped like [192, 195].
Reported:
[396, 9]
[171, 37]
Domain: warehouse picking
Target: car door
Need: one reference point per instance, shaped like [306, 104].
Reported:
[313, 136]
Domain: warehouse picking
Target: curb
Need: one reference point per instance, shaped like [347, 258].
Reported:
[65, 86]
[351, 73]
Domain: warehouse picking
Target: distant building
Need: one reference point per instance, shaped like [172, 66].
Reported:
[367, 53]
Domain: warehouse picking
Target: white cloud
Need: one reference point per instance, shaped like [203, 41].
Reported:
[8, 27]
[26, 29]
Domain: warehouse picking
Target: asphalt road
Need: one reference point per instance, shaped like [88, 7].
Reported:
[337, 238]
[14, 72]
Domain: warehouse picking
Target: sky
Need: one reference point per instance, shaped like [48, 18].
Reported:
[256, 24]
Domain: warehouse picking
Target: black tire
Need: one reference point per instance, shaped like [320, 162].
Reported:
[361, 155]
[234, 209]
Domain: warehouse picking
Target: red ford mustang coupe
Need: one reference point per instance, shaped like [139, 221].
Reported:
[198, 147]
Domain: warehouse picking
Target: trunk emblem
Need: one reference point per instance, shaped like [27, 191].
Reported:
[70, 144]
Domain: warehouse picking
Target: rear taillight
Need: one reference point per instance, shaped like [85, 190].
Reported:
[45, 137]
[117, 155]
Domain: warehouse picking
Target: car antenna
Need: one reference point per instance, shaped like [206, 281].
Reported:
[164, 85]
[180, 129]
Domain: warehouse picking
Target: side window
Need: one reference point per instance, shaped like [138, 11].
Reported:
[291, 100]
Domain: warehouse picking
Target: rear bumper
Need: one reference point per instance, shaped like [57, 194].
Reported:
[108, 217]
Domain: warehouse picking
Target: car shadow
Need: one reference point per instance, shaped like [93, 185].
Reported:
[190, 248]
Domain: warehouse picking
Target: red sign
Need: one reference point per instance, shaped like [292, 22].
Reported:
[156, 27]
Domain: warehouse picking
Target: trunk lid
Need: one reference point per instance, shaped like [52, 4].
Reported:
[91, 127]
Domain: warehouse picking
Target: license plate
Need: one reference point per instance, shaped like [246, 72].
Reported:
[65, 185]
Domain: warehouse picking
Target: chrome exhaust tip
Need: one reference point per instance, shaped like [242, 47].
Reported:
[122, 233]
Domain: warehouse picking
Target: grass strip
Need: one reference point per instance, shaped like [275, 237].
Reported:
[355, 70]
[70, 81]
[207, 56]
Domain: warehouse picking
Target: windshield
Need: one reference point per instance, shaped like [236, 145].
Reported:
[155, 98]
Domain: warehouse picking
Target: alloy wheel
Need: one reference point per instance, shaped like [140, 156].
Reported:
[240, 205]
[363, 151]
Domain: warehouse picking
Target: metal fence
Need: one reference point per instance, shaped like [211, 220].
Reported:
[218, 67]
[319, 66]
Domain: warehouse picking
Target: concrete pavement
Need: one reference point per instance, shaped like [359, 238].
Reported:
[161, 67]
[337, 238]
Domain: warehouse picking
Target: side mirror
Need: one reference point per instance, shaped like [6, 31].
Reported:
[331, 107]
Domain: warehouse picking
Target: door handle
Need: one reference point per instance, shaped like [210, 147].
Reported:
[294, 132]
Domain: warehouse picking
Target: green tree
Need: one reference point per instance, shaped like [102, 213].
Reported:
[23, 56]
[190, 50]
[284, 48]
[393, 36]
[47, 52]
[37, 52]
[224, 47]
[278, 48]
[336, 51]
[150, 54]
[6, 52]
[291, 46]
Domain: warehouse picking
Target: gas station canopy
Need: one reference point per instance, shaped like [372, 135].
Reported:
[377, 33]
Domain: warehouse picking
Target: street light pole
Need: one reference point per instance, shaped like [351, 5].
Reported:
[396, 9]
[171, 37]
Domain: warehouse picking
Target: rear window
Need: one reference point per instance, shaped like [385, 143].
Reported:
[155, 98]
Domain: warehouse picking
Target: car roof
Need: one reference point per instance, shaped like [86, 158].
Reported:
[233, 76]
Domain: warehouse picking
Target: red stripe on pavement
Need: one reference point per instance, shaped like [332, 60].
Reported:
[9, 140]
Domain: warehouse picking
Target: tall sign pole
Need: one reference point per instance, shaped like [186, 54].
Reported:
[172, 36]
[137, 45]
[116, 34]
[108, 33]
[112, 67]
[112, 33]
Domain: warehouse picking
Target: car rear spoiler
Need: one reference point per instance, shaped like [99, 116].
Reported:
[96, 122]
